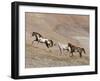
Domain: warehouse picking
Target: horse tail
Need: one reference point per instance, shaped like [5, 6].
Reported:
[46, 42]
[51, 43]
[83, 50]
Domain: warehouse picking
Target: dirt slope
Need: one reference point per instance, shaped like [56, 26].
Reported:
[59, 28]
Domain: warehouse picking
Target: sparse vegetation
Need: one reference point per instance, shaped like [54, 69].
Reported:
[59, 28]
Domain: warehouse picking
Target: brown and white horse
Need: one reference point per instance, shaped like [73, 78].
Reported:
[74, 48]
[40, 39]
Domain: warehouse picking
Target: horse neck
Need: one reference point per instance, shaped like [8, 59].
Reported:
[37, 37]
[70, 46]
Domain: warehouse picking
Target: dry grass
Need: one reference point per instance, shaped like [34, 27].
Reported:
[44, 57]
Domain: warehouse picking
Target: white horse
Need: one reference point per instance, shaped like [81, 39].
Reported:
[62, 47]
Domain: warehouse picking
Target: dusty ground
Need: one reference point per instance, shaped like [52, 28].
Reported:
[59, 28]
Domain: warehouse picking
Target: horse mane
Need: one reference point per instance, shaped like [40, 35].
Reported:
[35, 33]
[70, 45]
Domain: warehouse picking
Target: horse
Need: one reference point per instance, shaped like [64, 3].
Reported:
[41, 39]
[76, 49]
[49, 43]
[37, 35]
[62, 47]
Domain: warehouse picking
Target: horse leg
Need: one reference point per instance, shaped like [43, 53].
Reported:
[80, 54]
[37, 43]
[83, 50]
[49, 49]
[33, 42]
[61, 50]
[48, 46]
[71, 53]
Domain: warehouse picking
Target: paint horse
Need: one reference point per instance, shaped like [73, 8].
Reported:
[40, 39]
[74, 48]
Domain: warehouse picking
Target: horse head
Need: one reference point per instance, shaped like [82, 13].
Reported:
[33, 33]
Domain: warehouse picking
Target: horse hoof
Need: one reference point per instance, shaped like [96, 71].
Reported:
[71, 56]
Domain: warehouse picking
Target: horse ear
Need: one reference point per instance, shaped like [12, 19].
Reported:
[32, 33]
